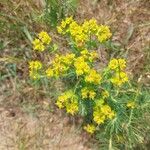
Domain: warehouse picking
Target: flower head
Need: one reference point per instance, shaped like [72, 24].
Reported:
[93, 77]
[44, 37]
[90, 128]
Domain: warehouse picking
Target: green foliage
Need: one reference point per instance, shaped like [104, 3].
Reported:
[56, 10]
[110, 104]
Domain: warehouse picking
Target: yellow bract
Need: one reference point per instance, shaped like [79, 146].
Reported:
[117, 64]
[131, 104]
[105, 94]
[93, 77]
[49, 72]
[81, 66]
[88, 30]
[103, 33]
[42, 40]
[90, 128]
[44, 37]
[38, 45]
[102, 112]
[69, 101]
[34, 67]
[60, 65]
[119, 78]
[86, 93]
[90, 56]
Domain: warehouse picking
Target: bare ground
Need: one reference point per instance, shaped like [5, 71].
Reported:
[22, 131]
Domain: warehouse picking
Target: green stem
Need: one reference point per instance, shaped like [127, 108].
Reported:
[110, 143]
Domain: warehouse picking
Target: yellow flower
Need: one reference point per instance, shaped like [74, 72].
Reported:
[119, 79]
[90, 26]
[105, 109]
[102, 112]
[111, 114]
[117, 64]
[68, 59]
[131, 104]
[90, 128]
[62, 99]
[98, 117]
[63, 24]
[103, 33]
[86, 93]
[35, 65]
[89, 55]
[122, 64]
[38, 45]
[105, 94]
[123, 76]
[85, 53]
[113, 64]
[72, 107]
[59, 104]
[60, 30]
[69, 101]
[81, 66]
[60, 65]
[44, 37]
[77, 33]
[49, 72]
[93, 77]
[92, 94]
[93, 56]
[68, 20]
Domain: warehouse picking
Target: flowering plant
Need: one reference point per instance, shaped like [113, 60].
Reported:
[104, 97]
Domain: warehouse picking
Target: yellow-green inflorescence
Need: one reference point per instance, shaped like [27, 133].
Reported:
[34, 68]
[81, 33]
[88, 85]
[120, 76]
[42, 41]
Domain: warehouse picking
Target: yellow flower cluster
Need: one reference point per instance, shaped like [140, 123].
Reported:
[34, 67]
[90, 128]
[81, 66]
[105, 94]
[102, 112]
[91, 56]
[69, 101]
[117, 64]
[60, 65]
[90, 27]
[64, 24]
[120, 76]
[84, 32]
[77, 33]
[93, 77]
[86, 93]
[103, 33]
[42, 40]
[131, 104]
